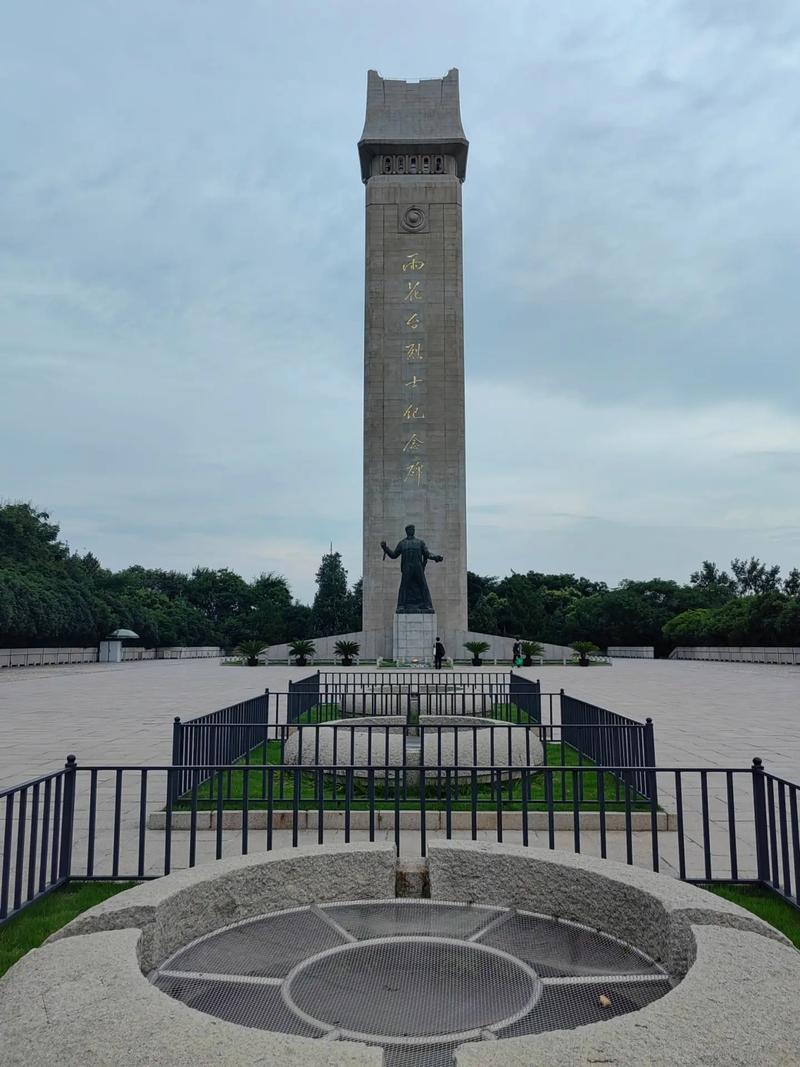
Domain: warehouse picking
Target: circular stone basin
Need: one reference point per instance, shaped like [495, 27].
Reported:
[411, 974]
[387, 740]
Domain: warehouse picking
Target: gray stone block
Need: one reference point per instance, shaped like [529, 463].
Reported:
[172, 911]
[651, 911]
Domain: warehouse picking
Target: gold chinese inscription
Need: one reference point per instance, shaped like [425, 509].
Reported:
[414, 471]
[413, 412]
[414, 262]
[413, 445]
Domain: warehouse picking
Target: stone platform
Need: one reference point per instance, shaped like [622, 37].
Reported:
[414, 638]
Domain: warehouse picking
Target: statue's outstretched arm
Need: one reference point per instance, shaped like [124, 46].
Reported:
[391, 553]
[429, 555]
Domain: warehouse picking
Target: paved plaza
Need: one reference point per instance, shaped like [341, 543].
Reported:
[705, 714]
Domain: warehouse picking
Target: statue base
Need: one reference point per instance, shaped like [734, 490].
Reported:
[414, 638]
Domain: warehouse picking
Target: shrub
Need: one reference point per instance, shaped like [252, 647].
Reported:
[477, 648]
[584, 650]
[529, 650]
[347, 649]
[250, 651]
[301, 650]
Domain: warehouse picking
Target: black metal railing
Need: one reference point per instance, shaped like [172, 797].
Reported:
[303, 695]
[37, 838]
[629, 743]
[593, 734]
[112, 822]
[353, 679]
[222, 736]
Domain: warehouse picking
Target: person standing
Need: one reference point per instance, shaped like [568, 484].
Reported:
[438, 654]
[516, 651]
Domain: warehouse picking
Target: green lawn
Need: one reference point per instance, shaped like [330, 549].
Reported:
[765, 904]
[557, 754]
[45, 916]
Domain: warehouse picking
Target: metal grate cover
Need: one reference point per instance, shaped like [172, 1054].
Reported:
[417, 977]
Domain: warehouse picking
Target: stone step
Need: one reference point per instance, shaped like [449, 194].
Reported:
[410, 820]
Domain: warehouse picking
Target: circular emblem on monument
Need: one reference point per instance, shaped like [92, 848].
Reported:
[413, 219]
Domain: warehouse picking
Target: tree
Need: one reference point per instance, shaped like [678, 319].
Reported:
[714, 585]
[634, 614]
[331, 612]
[28, 537]
[477, 587]
[791, 584]
[355, 603]
[483, 619]
[754, 578]
[524, 611]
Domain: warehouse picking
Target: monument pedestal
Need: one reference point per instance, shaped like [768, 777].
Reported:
[414, 638]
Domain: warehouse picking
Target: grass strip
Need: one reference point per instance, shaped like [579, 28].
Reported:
[558, 755]
[765, 904]
[34, 925]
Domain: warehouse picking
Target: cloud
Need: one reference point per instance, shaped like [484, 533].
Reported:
[181, 277]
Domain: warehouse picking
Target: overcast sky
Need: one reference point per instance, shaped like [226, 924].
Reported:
[181, 277]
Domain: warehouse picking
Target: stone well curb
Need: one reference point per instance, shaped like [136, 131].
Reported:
[651, 911]
[176, 909]
[83, 998]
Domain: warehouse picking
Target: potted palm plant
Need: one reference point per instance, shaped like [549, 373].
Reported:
[250, 651]
[477, 648]
[301, 649]
[347, 649]
[584, 650]
[529, 650]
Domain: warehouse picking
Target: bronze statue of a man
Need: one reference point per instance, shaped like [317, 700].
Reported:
[413, 597]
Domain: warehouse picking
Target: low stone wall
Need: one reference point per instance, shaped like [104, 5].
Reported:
[52, 657]
[378, 644]
[786, 656]
[631, 652]
[46, 657]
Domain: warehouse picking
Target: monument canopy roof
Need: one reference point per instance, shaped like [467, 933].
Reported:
[422, 116]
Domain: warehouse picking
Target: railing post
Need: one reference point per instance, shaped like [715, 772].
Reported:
[650, 758]
[760, 819]
[176, 740]
[67, 818]
[174, 782]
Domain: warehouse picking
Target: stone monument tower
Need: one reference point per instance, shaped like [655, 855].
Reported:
[413, 160]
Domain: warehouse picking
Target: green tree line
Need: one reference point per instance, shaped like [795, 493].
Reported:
[751, 605]
[51, 595]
